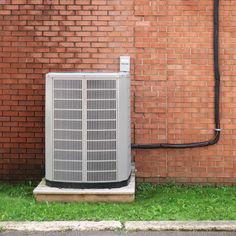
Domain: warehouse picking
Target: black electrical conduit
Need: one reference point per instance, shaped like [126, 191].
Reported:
[216, 137]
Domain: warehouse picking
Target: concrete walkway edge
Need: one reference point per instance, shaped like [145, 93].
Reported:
[180, 225]
[116, 225]
[61, 226]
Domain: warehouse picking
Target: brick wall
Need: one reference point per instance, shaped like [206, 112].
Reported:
[170, 43]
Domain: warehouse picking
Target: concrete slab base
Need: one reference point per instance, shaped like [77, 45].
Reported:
[45, 193]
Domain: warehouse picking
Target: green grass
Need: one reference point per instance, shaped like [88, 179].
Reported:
[167, 202]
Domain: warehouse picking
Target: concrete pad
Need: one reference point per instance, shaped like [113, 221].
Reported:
[180, 225]
[52, 194]
[61, 226]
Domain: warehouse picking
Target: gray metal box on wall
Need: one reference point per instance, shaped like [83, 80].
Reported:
[88, 129]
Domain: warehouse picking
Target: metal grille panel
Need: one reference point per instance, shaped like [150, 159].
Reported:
[98, 125]
[101, 155]
[101, 84]
[67, 114]
[67, 125]
[101, 104]
[74, 135]
[96, 166]
[68, 130]
[67, 94]
[101, 94]
[68, 84]
[67, 176]
[67, 104]
[68, 145]
[68, 155]
[101, 145]
[67, 165]
[101, 134]
[101, 176]
[85, 135]
[101, 115]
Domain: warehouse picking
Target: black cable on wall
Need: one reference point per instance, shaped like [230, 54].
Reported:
[217, 130]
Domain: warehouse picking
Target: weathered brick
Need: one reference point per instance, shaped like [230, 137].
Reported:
[170, 43]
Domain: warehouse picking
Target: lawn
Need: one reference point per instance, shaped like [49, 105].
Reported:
[167, 202]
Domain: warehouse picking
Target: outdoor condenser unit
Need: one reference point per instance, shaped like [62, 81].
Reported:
[88, 130]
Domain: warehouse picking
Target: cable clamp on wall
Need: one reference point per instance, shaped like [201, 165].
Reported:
[218, 130]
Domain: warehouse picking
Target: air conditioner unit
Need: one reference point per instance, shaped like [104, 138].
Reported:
[88, 130]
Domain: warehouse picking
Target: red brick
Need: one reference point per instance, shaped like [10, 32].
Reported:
[172, 79]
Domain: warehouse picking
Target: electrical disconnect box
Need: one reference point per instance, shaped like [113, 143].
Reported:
[125, 63]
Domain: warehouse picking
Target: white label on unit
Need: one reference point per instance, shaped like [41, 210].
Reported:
[125, 63]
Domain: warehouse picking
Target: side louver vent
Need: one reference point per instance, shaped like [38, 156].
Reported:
[87, 129]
